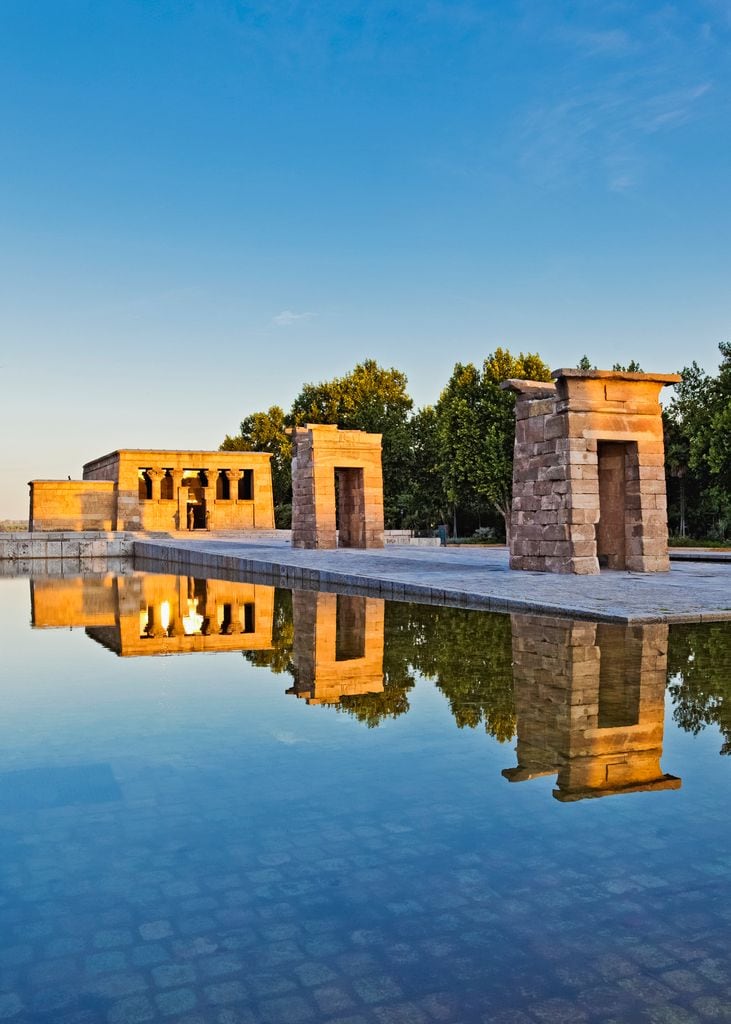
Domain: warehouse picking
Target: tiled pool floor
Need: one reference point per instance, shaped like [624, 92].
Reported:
[181, 839]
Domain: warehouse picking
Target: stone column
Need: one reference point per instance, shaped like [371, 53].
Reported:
[155, 476]
[210, 495]
[180, 523]
[233, 476]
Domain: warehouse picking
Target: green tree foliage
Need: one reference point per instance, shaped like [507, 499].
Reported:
[699, 678]
[468, 654]
[369, 398]
[421, 496]
[698, 450]
[265, 432]
[477, 431]
[632, 367]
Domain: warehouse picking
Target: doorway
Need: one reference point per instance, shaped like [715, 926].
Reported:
[612, 459]
[196, 515]
[350, 508]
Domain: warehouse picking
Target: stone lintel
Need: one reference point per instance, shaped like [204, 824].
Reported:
[529, 388]
[655, 378]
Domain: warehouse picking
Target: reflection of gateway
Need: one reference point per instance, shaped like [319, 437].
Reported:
[590, 704]
[148, 614]
[338, 646]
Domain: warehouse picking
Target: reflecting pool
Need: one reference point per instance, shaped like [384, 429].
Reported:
[331, 808]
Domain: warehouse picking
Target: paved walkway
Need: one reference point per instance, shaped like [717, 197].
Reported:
[467, 577]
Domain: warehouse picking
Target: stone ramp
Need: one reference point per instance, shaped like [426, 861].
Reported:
[459, 577]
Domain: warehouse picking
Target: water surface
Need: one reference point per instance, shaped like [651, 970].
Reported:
[330, 808]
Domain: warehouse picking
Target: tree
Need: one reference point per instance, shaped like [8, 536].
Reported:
[477, 431]
[369, 398]
[265, 432]
[421, 497]
[698, 448]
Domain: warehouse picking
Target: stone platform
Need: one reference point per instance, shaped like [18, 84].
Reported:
[461, 577]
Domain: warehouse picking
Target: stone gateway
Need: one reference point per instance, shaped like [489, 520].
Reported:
[588, 474]
[337, 488]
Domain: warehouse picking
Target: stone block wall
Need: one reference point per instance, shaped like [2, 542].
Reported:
[155, 489]
[72, 505]
[321, 452]
[588, 473]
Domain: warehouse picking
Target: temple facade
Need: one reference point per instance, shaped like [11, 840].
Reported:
[135, 489]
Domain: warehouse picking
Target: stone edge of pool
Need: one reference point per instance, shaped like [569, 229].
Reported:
[697, 589]
[372, 574]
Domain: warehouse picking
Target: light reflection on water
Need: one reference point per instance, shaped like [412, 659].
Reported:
[206, 839]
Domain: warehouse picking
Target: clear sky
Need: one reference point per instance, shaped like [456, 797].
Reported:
[204, 204]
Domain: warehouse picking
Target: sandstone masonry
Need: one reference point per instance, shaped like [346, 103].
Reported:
[323, 453]
[136, 489]
[588, 474]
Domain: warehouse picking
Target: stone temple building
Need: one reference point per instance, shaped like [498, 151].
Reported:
[588, 473]
[337, 488]
[133, 489]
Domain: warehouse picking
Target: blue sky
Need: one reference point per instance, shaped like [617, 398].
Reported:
[204, 204]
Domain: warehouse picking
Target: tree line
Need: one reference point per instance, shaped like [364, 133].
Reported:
[451, 462]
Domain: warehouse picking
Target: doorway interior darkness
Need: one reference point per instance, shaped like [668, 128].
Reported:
[350, 508]
[613, 458]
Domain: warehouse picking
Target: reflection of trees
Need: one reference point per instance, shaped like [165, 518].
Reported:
[700, 678]
[466, 653]
[279, 658]
[400, 626]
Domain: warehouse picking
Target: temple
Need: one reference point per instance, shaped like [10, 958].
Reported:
[157, 490]
[588, 473]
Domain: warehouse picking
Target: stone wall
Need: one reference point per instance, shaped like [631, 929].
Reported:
[72, 505]
[322, 452]
[63, 554]
[588, 473]
[155, 490]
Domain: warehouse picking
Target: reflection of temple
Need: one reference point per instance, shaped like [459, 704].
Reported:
[156, 614]
[338, 646]
[589, 700]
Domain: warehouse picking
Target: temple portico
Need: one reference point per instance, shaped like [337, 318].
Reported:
[159, 490]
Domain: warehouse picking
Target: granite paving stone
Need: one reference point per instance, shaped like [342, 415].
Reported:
[471, 577]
